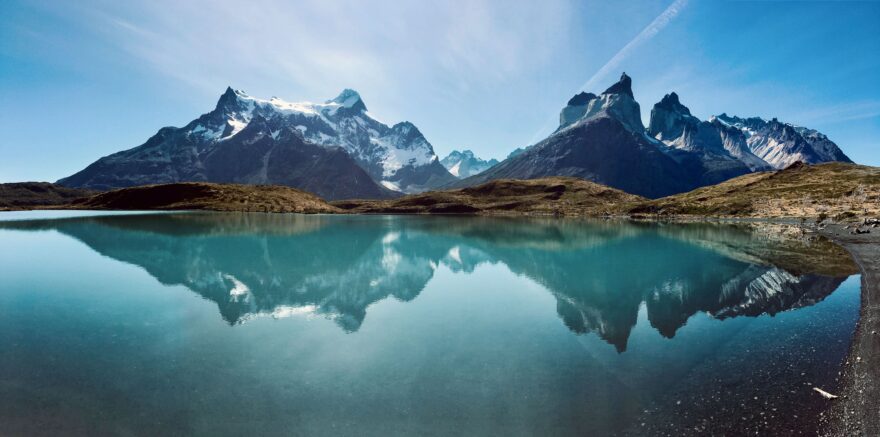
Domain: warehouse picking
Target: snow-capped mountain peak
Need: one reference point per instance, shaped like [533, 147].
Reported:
[350, 99]
[464, 164]
[396, 156]
[782, 144]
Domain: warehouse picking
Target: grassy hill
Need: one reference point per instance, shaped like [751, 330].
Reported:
[545, 196]
[207, 196]
[836, 190]
[25, 195]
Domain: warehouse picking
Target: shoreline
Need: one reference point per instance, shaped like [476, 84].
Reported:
[857, 410]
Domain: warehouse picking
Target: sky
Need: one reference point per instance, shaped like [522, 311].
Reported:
[80, 80]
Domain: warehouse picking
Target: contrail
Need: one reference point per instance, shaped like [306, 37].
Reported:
[613, 64]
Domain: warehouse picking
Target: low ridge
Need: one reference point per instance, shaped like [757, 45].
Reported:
[836, 190]
[543, 196]
[26, 195]
[209, 196]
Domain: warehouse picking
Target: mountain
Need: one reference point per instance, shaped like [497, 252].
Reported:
[698, 145]
[758, 144]
[782, 144]
[464, 164]
[334, 149]
[601, 138]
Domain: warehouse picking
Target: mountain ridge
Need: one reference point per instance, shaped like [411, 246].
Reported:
[601, 138]
[394, 158]
[465, 163]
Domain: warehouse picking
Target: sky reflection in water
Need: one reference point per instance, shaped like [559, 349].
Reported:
[494, 325]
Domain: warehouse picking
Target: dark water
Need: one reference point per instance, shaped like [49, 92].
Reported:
[251, 324]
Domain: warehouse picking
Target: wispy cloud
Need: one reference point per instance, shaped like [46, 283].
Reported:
[317, 47]
[613, 64]
[644, 36]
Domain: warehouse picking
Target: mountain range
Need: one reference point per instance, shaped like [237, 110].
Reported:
[334, 149]
[337, 150]
[601, 138]
[464, 164]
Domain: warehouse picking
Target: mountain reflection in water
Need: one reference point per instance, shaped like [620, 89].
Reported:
[599, 272]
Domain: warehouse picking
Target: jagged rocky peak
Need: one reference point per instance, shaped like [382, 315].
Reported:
[619, 103]
[669, 118]
[408, 136]
[396, 155]
[623, 86]
[228, 96]
[670, 102]
[230, 101]
[616, 102]
[350, 99]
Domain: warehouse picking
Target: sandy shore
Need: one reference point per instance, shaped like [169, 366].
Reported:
[857, 410]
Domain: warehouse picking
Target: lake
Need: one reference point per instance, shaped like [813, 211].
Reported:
[261, 324]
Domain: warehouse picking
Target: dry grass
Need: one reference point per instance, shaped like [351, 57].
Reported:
[564, 196]
[833, 190]
[207, 196]
[27, 195]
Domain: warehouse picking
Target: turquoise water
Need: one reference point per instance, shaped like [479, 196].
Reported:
[252, 324]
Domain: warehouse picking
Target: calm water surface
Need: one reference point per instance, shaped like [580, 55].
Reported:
[252, 324]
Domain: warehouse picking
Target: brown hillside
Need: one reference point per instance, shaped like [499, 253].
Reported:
[208, 196]
[553, 195]
[833, 189]
[26, 195]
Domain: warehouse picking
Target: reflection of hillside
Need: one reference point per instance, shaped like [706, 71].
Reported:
[781, 245]
[194, 223]
[599, 272]
[546, 234]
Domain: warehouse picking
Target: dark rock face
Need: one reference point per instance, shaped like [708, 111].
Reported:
[699, 145]
[602, 139]
[695, 144]
[581, 99]
[684, 152]
[222, 146]
[256, 155]
[691, 152]
[575, 109]
[669, 118]
[601, 150]
[623, 86]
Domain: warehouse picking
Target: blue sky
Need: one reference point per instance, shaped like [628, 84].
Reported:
[79, 80]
